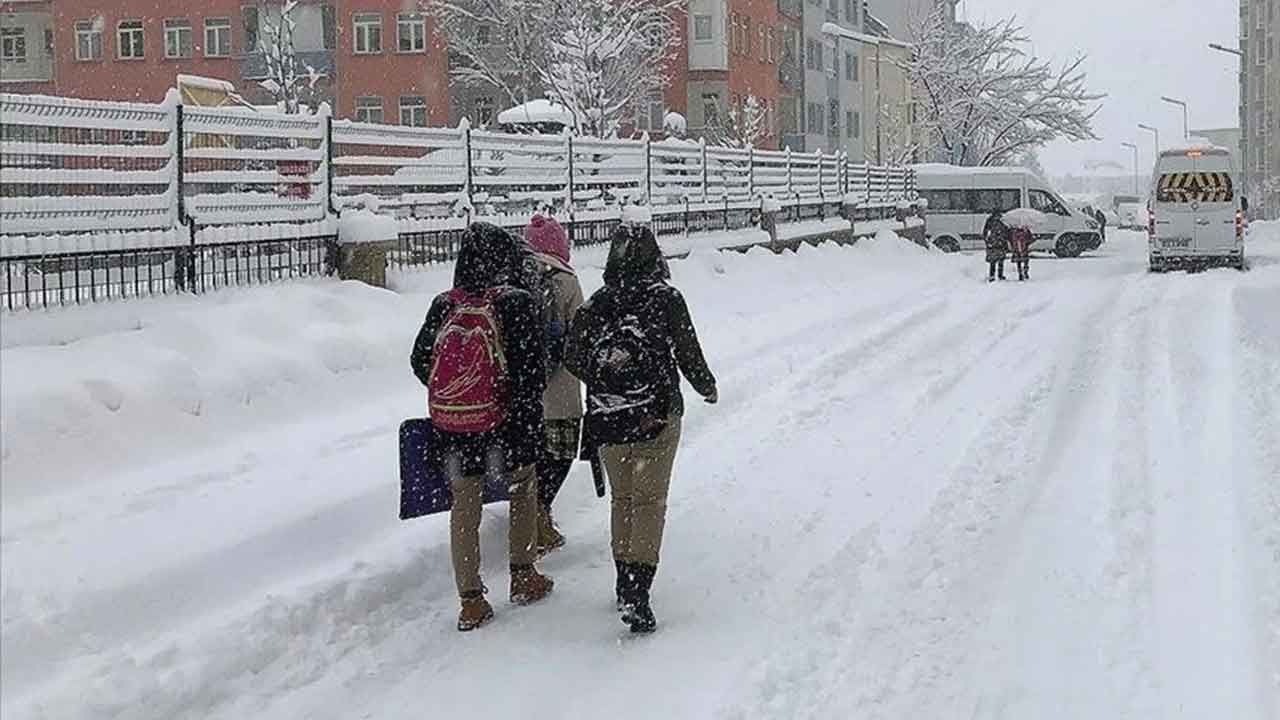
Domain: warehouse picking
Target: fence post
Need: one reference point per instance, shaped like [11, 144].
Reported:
[751, 171]
[328, 164]
[842, 171]
[790, 191]
[648, 171]
[822, 198]
[180, 158]
[466, 144]
[184, 259]
[569, 153]
[705, 194]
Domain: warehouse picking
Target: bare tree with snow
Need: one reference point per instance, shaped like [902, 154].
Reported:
[745, 124]
[500, 44]
[606, 56]
[291, 82]
[986, 100]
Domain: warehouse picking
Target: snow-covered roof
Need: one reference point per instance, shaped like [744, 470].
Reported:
[835, 30]
[945, 169]
[537, 111]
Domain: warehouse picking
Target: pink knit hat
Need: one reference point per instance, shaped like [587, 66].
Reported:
[547, 237]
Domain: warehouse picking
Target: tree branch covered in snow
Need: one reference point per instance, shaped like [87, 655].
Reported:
[598, 58]
[745, 124]
[500, 44]
[986, 100]
[606, 56]
[290, 81]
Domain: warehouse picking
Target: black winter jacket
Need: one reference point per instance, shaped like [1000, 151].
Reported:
[490, 257]
[636, 285]
[995, 235]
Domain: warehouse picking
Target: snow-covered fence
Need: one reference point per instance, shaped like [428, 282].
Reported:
[77, 165]
[105, 199]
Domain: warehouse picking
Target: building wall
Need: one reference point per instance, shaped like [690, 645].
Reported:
[902, 16]
[391, 74]
[1260, 104]
[891, 92]
[822, 86]
[33, 69]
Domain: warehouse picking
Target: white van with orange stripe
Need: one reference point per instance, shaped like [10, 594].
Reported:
[1196, 215]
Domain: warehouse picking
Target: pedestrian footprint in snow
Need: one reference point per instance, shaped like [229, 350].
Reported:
[559, 296]
[996, 236]
[630, 343]
[480, 354]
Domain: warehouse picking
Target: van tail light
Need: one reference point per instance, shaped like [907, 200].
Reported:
[1240, 224]
[1151, 223]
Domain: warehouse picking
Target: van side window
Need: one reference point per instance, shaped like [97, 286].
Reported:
[990, 201]
[947, 202]
[1045, 203]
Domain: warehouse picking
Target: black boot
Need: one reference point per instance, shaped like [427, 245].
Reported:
[638, 613]
[622, 585]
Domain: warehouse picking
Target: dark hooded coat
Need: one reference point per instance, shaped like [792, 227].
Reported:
[995, 235]
[490, 257]
[636, 291]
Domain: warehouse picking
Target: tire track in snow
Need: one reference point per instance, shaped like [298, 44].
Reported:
[881, 656]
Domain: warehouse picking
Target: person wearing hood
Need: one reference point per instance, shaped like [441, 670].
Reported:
[630, 343]
[489, 259]
[562, 401]
[995, 234]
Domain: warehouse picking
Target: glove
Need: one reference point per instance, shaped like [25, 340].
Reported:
[713, 398]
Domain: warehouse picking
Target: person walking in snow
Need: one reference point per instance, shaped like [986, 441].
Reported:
[630, 343]
[560, 298]
[1101, 217]
[1020, 248]
[996, 237]
[479, 354]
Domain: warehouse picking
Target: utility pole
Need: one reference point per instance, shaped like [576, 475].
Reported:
[1134, 147]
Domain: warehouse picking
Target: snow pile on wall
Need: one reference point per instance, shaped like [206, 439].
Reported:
[365, 226]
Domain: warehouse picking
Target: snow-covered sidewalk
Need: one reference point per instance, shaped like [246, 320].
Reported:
[920, 496]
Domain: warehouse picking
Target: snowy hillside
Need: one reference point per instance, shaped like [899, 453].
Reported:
[921, 496]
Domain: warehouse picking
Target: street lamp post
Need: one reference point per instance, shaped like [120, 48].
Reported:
[1186, 131]
[1232, 51]
[1155, 131]
[1134, 148]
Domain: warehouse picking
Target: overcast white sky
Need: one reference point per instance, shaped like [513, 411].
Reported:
[1138, 50]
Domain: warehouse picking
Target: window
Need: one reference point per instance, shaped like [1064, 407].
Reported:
[13, 45]
[710, 109]
[483, 35]
[217, 37]
[368, 28]
[772, 42]
[329, 26]
[764, 44]
[369, 109]
[815, 118]
[177, 38]
[1045, 203]
[89, 39]
[810, 54]
[1002, 200]
[818, 64]
[851, 67]
[411, 33]
[413, 110]
[650, 113]
[702, 28]
[249, 14]
[856, 124]
[746, 45]
[129, 40]
[948, 202]
[851, 11]
[833, 118]
[484, 110]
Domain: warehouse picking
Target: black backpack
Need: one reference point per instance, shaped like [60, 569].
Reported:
[626, 371]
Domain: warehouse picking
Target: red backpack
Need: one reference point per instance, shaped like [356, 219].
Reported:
[467, 391]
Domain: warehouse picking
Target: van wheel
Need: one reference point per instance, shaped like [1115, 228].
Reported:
[947, 244]
[1069, 247]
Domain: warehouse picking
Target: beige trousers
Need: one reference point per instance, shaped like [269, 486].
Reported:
[639, 480]
[464, 519]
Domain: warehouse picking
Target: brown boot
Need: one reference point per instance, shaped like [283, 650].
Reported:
[476, 612]
[528, 585]
[549, 538]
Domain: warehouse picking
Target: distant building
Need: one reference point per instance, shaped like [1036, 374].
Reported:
[1260, 103]
[1229, 138]
[377, 61]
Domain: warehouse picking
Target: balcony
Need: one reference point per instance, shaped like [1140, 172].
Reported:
[254, 65]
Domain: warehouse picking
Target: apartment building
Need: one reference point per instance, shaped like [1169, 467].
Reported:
[1260, 104]
[901, 17]
[376, 60]
[734, 49]
[833, 91]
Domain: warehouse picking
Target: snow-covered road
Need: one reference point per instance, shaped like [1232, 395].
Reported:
[921, 496]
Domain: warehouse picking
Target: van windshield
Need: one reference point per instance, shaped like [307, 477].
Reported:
[1200, 187]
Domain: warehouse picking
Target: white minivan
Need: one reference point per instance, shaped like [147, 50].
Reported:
[962, 198]
[1197, 214]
